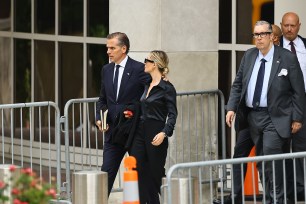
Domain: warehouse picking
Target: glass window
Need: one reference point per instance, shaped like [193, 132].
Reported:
[22, 78]
[239, 55]
[71, 17]
[248, 12]
[98, 20]
[44, 71]
[23, 16]
[70, 72]
[6, 95]
[97, 57]
[5, 15]
[45, 16]
[225, 21]
[22, 71]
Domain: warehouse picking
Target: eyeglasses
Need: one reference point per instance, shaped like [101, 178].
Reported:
[262, 35]
[147, 60]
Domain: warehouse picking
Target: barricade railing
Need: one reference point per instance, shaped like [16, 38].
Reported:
[30, 138]
[30, 135]
[204, 191]
[201, 119]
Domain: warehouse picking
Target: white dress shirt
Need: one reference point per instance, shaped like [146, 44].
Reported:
[253, 79]
[300, 53]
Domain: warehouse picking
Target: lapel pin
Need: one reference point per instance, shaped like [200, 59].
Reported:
[128, 73]
[277, 61]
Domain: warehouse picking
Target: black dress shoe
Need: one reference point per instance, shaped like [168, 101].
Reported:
[228, 200]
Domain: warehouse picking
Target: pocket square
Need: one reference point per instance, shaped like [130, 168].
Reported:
[283, 72]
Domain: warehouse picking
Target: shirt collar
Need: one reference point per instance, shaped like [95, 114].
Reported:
[269, 55]
[286, 41]
[162, 84]
[123, 62]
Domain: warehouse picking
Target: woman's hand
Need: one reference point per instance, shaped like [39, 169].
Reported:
[158, 139]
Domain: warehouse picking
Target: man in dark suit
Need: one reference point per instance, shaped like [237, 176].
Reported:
[292, 41]
[122, 82]
[243, 147]
[268, 97]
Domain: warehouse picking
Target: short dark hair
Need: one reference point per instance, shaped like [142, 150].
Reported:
[122, 38]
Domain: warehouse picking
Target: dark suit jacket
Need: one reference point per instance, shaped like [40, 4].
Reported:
[286, 94]
[281, 41]
[131, 88]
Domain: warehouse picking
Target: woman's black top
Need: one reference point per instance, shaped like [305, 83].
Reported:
[160, 105]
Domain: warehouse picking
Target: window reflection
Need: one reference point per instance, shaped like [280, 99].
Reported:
[22, 71]
[98, 21]
[97, 57]
[23, 16]
[71, 17]
[5, 15]
[5, 70]
[70, 72]
[225, 22]
[44, 71]
[45, 16]
[248, 12]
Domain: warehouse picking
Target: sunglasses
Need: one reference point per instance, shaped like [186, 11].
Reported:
[147, 60]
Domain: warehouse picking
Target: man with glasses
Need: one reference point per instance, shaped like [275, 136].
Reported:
[122, 82]
[243, 147]
[292, 41]
[267, 96]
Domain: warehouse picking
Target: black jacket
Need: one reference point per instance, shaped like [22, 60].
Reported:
[124, 128]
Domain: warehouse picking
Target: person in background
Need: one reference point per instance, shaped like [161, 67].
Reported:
[157, 120]
[122, 82]
[277, 34]
[292, 41]
[243, 147]
[268, 97]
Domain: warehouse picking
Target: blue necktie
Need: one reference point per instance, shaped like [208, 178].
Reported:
[259, 83]
[116, 80]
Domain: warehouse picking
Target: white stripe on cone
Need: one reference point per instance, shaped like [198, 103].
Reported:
[130, 192]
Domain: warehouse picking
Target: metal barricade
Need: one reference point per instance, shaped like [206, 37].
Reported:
[205, 170]
[30, 138]
[30, 135]
[201, 119]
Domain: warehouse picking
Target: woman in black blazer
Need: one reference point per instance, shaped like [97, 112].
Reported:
[157, 121]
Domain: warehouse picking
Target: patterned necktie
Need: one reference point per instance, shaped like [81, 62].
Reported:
[259, 83]
[116, 80]
[292, 47]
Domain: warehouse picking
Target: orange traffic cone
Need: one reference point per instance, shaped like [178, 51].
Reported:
[130, 182]
[249, 182]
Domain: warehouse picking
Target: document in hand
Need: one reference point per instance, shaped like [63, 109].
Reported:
[103, 115]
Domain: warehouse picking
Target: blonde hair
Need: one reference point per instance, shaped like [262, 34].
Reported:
[161, 60]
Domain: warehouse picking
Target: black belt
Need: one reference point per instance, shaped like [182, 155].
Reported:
[258, 109]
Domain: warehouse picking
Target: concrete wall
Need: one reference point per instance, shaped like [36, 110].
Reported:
[188, 33]
[297, 6]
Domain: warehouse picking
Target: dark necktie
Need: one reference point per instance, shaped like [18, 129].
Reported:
[259, 83]
[292, 47]
[116, 80]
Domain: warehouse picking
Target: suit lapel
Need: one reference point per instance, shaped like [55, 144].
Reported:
[109, 75]
[128, 70]
[275, 65]
[250, 67]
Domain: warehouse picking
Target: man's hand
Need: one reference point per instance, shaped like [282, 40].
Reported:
[99, 125]
[295, 126]
[230, 118]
